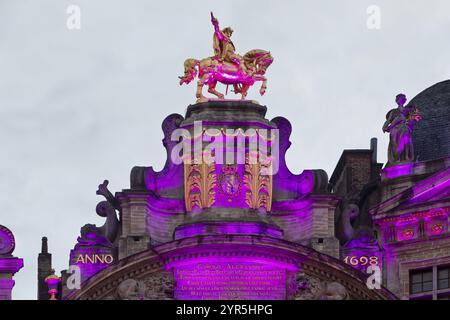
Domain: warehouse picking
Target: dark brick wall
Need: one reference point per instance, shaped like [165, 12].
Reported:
[353, 172]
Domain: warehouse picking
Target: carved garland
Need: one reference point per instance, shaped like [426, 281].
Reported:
[199, 183]
[258, 192]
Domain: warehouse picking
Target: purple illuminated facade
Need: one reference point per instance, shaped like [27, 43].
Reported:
[225, 229]
[413, 226]
[201, 229]
[398, 214]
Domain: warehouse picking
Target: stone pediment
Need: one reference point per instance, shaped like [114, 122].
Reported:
[433, 191]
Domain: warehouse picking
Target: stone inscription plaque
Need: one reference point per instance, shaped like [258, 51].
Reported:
[230, 281]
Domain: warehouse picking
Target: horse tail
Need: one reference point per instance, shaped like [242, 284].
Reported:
[190, 71]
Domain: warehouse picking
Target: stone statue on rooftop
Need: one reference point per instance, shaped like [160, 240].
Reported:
[400, 124]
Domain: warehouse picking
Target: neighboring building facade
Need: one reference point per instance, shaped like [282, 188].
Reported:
[225, 230]
[403, 209]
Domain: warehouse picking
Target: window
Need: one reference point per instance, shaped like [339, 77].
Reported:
[443, 277]
[421, 281]
[430, 283]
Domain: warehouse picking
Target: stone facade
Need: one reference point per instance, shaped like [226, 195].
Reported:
[413, 224]
[401, 213]
[268, 236]
[321, 276]
[302, 236]
[417, 192]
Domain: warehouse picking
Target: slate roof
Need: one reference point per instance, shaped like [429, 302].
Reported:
[431, 136]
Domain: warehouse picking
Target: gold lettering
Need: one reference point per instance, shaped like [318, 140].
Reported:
[80, 259]
[89, 258]
[95, 258]
[108, 258]
[99, 258]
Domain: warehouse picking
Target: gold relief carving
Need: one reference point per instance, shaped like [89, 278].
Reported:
[258, 186]
[199, 183]
[229, 182]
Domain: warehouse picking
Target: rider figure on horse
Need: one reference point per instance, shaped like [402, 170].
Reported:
[227, 67]
[224, 49]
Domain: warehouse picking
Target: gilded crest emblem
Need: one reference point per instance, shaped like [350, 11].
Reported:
[229, 181]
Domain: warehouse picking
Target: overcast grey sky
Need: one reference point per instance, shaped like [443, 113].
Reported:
[80, 106]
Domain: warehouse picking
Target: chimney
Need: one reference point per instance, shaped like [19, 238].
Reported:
[44, 246]
[373, 147]
[44, 270]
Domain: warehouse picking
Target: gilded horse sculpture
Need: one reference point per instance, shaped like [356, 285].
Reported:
[227, 67]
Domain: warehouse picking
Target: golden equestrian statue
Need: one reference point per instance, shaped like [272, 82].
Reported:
[227, 67]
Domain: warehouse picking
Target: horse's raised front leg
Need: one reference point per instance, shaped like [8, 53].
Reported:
[212, 89]
[263, 88]
[199, 93]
